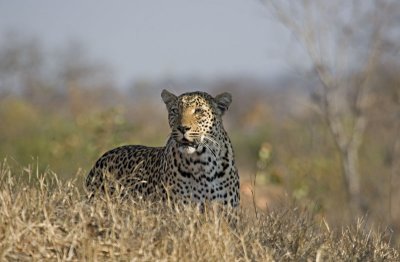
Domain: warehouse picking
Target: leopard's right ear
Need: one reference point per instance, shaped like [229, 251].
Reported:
[168, 98]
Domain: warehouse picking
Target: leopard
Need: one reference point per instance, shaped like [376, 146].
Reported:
[197, 164]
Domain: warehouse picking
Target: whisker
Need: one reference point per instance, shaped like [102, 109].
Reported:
[209, 148]
[212, 141]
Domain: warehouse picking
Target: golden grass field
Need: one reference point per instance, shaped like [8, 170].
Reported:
[45, 219]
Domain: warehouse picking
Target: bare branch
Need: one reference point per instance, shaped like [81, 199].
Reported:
[344, 46]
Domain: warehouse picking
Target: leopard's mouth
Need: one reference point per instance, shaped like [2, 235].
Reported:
[186, 146]
[184, 142]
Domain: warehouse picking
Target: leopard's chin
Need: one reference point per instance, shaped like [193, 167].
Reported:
[187, 149]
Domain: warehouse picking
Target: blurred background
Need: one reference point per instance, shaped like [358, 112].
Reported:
[315, 116]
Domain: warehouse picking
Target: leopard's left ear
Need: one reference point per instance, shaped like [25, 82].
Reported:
[223, 101]
[168, 98]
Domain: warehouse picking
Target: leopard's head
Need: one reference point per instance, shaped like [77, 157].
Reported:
[196, 118]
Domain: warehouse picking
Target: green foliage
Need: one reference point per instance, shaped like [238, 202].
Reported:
[67, 143]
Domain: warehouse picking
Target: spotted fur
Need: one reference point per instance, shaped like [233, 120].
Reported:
[196, 165]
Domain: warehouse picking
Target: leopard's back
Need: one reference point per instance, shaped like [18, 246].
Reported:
[135, 168]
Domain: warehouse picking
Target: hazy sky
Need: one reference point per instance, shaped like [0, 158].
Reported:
[155, 39]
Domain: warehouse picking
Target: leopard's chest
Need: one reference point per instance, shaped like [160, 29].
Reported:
[198, 178]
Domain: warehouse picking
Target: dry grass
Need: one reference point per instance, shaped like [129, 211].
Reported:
[42, 218]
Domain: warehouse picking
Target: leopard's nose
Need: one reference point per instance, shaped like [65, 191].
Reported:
[183, 129]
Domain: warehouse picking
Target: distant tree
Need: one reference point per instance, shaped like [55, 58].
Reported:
[344, 42]
[388, 116]
[21, 65]
[85, 81]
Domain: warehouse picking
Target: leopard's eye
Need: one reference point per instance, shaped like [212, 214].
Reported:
[174, 111]
[199, 110]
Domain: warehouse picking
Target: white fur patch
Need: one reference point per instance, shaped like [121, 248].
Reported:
[187, 149]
